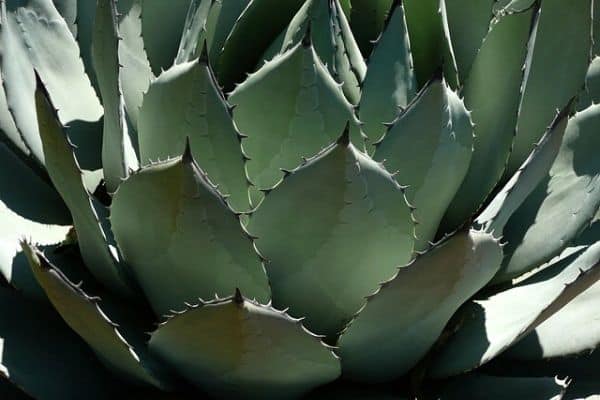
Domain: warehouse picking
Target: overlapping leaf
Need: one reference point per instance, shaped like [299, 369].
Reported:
[331, 231]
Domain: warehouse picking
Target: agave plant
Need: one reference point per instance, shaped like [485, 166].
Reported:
[320, 198]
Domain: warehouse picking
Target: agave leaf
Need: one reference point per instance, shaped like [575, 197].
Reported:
[220, 22]
[548, 340]
[68, 10]
[502, 7]
[194, 31]
[324, 23]
[596, 28]
[40, 353]
[54, 54]
[390, 81]
[486, 329]
[425, 31]
[28, 193]
[433, 133]
[468, 23]
[422, 296]
[586, 389]
[561, 204]
[9, 134]
[180, 238]
[239, 54]
[135, 73]
[186, 102]
[576, 317]
[13, 229]
[118, 156]
[235, 347]
[533, 171]
[478, 386]
[501, 56]
[306, 110]
[87, 316]
[18, 83]
[591, 93]
[67, 178]
[84, 26]
[367, 18]
[162, 44]
[540, 100]
[449, 65]
[331, 231]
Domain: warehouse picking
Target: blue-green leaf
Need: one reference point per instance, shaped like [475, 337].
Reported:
[235, 347]
[180, 238]
[331, 231]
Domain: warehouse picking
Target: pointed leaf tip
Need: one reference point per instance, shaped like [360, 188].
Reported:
[187, 156]
[344, 139]
[237, 297]
[204, 53]
[307, 39]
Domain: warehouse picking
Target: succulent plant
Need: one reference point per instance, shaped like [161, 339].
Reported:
[320, 198]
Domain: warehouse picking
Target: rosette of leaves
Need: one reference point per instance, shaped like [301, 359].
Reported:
[278, 199]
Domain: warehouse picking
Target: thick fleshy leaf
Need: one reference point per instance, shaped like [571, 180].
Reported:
[135, 73]
[432, 134]
[425, 32]
[54, 54]
[13, 229]
[9, 134]
[586, 389]
[86, 316]
[596, 29]
[39, 353]
[577, 317]
[186, 102]
[502, 7]
[501, 56]
[235, 347]
[390, 81]
[118, 156]
[220, 22]
[485, 387]
[68, 10]
[486, 329]
[306, 108]
[468, 24]
[162, 44]
[333, 42]
[331, 231]
[18, 83]
[561, 204]
[548, 340]
[180, 238]
[67, 178]
[591, 93]
[241, 55]
[194, 31]
[421, 297]
[29, 191]
[540, 100]
[367, 19]
[533, 171]
[84, 24]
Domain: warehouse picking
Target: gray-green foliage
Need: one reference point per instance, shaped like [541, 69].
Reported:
[277, 199]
